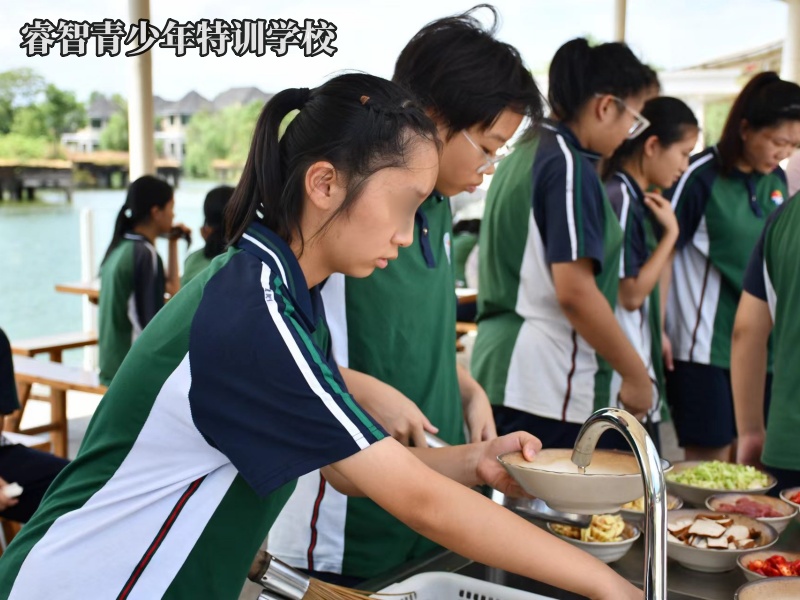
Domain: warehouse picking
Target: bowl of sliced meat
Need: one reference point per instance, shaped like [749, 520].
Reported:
[708, 541]
[769, 510]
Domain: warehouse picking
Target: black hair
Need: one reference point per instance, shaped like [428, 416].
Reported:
[214, 212]
[464, 76]
[143, 194]
[670, 119]
[766, 101]
[358, 122]
[578, 71]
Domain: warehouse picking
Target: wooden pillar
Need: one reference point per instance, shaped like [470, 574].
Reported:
[620, 16]
[141, 141]
[790, 63]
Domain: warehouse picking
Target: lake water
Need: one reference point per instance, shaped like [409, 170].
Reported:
[40, 246]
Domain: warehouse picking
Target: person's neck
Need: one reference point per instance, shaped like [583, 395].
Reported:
[579, 132]
[743, 166]
[147, 231]
[636, 173]
[311, 262]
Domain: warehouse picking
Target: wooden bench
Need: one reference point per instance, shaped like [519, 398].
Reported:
[54, 345]
[60, 379]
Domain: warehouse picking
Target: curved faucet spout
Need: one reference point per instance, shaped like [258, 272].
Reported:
[655, 497]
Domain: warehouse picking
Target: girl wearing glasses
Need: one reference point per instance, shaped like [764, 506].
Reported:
[549, 256]
[654, 159]
[722, 202]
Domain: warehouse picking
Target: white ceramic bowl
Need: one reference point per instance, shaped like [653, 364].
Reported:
[709, 560]
[788, 512]
[788, 493]
[745, 559]
[637, 516]
[610, 481]
[608, 552]
[785, 588]
[696, 495]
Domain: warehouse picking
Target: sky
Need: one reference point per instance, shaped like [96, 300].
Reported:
[668, 34]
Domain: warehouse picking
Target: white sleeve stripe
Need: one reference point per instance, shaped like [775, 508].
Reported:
[772, 297]
[253, 240]
[623, 221]
[570, 198]
[685, 177]
[302, 363]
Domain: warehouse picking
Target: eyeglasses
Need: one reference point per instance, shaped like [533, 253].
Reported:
[489, 161]
[640, 123]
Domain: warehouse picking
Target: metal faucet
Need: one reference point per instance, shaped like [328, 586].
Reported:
[655, 497]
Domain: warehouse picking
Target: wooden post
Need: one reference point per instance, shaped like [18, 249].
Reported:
[141, 141]
[790, 63]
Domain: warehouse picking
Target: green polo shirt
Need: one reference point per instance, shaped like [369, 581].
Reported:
[774, 276]
[546, 205]
[194, 263]
[721, 218]
[397, 325]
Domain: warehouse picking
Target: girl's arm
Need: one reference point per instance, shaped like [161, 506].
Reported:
[633, 291]
[474, 526]
[749, 374]
[590, 314]
[173, 277]
[663, 290]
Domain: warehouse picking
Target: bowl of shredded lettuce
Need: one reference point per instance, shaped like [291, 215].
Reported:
[695, 480]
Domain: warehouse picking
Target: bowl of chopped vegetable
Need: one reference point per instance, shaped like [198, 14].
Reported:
[792, 496]
[769, 563]
[772, 511]
[784, 588]
[695, 480]
[608, 538]
[711, 542]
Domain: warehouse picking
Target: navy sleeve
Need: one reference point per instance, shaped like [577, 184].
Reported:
[754, 283]
[148, 284]
[8, 386]
[690, 196]
[630, 213]
[263, 392]
[568, 208]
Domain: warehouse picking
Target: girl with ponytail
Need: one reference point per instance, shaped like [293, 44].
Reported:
[634, 176]
[550, 244]
[722, 202]
[231, 394]
[132, 277]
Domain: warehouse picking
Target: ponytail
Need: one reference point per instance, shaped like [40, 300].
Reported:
[143, 194]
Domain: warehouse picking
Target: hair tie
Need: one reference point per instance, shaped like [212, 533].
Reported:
[128, 212]
[364, 100]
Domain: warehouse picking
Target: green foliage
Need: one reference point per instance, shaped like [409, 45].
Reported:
[18, 87]
[14, 145]
[28, 121]
[715, 115]
[115, 135]
[61, 112]
[222, 135]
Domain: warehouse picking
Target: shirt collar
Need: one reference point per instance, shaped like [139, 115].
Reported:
[561, 129]
[272, 250]
[631, 184]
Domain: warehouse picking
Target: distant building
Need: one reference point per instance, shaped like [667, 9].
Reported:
[87, 139]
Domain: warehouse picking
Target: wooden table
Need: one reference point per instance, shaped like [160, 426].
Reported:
[466, 295]
[91, 289]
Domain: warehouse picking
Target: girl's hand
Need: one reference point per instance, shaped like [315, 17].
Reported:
[662, 211]
[492, 473]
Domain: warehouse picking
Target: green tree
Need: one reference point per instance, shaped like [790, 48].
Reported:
[61, 112]
[18, 87]
[115, 134]
[29, 122]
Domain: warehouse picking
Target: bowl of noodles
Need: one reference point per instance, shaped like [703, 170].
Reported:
[608, 538]
[633, 512]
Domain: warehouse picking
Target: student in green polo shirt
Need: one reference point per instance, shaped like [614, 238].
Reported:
[722, 202]
[212, 231]
[653, 160]
[132, 277]
[769, 305]
[227, 398]
[397, 326]
[549, 257]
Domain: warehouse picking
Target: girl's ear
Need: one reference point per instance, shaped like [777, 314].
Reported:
[324, 186]
[651, 144]
[605, 107]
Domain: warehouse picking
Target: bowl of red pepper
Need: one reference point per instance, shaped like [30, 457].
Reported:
[773, 511]
[792, 496]
[769, 563]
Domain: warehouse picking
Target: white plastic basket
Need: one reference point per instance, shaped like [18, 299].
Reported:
[449, 586]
